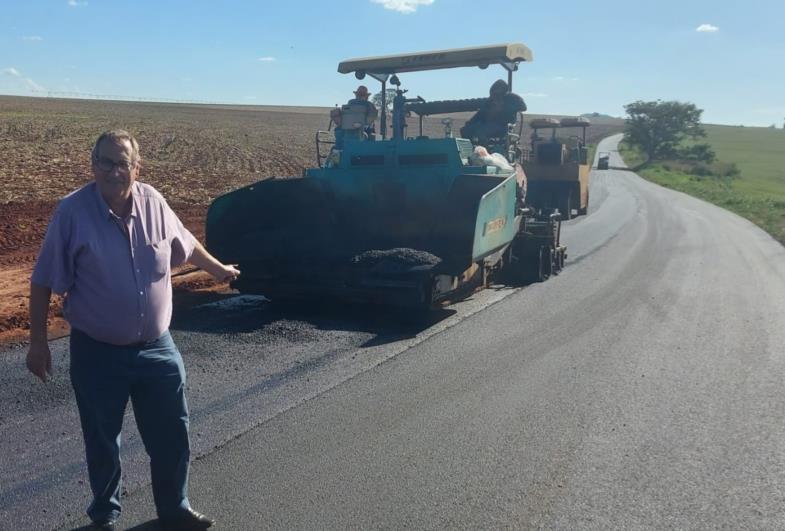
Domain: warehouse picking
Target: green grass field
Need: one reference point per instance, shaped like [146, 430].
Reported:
[757, 194]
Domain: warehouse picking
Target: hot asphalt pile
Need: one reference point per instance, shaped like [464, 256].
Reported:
[396, 260]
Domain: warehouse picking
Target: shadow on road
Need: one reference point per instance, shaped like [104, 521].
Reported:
[231, 313]
[150, 525]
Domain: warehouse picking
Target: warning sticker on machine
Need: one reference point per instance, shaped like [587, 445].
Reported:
[494, 225]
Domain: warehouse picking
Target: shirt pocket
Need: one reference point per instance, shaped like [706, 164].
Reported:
[157, 259]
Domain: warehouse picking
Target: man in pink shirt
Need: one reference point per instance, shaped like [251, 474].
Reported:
[109, 249]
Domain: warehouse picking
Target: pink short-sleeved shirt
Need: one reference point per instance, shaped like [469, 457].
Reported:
[115, 273]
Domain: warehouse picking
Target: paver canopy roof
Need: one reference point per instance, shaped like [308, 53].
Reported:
[480, 56]
[551, 123]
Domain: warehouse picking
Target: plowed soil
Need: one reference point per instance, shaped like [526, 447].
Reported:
[191, 154]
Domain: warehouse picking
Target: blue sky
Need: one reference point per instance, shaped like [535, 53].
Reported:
[726, 57]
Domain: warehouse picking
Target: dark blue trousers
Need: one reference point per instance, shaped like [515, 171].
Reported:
[152, 375]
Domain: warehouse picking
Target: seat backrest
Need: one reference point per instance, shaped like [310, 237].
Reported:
[355, 116]
[550, 153]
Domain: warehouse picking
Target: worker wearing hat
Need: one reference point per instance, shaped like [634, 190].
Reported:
[362, 93]
[360, 99]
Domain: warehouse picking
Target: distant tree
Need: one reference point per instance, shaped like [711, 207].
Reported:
[659, 127]
[376, 99]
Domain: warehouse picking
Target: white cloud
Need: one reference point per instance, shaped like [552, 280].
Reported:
[707, 28]
[77, 3]
[33, 85]
[29, 83]
[534, 95]
[32, 38]
[267, 59]
[403, 6]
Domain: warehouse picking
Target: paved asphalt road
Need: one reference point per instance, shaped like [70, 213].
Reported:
[642, 388]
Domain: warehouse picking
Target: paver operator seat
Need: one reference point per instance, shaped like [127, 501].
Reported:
[357, 121]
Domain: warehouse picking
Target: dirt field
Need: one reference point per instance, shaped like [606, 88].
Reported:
[191, 154]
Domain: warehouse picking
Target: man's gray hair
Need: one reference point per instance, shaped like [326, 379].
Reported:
[117, 136]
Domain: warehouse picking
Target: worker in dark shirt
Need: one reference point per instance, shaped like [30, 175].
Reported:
[490, 122]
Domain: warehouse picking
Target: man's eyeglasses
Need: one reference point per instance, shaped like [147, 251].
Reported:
[106, 164]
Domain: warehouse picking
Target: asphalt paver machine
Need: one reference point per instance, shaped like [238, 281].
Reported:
[396, 220]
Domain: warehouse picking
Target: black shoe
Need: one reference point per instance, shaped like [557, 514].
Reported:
[187, 521]
[106, 525]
